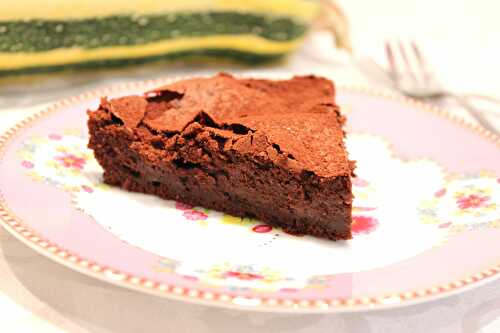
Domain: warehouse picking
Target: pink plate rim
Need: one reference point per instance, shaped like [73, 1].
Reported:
[27, 235]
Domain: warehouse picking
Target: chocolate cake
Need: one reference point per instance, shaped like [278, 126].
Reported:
[270, 150]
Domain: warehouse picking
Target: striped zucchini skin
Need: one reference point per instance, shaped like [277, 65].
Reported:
[43, 46]
[40, 35]
[245, 58]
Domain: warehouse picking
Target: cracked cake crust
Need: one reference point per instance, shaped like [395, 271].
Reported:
[272, 150]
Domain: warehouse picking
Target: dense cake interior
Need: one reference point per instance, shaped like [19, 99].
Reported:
[272, 150]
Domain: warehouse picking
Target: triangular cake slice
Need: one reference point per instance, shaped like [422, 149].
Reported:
[270, 150]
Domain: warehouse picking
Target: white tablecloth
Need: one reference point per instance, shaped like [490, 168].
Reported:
[461, 38]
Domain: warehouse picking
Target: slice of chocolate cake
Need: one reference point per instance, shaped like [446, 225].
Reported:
[271, 150]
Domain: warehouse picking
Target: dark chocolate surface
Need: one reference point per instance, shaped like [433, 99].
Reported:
[266, 149]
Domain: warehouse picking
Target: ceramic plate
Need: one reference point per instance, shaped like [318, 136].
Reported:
[426, 217]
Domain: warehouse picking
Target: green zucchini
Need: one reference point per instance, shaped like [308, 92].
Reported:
[94, 33]
[39, 35]
[230, 55]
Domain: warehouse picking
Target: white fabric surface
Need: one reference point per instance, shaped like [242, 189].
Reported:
[38, 295]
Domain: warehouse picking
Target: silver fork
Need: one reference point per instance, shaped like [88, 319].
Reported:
[412, 76]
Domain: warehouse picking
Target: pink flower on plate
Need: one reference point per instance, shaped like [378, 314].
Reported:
[55, 137]
[71, 161]
[87, 188]
[190, 277]
[27, 164]
[194, 215]
[472, 201]
[445, 225]
[243, 276]
[182, 206]
[262, 228]
[440, 193]
[363, 224]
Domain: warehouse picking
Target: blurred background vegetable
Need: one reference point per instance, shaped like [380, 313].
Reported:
[63, 35]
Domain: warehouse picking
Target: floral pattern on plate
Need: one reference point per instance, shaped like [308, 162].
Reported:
[256, 256]
[467, 202]
[62, 161]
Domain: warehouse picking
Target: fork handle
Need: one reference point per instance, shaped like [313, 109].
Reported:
[475, 113]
